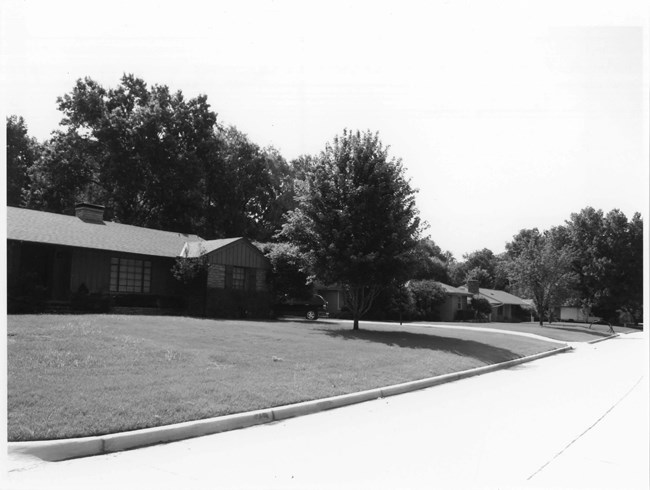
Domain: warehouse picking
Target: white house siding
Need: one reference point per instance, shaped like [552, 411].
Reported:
[576, 314]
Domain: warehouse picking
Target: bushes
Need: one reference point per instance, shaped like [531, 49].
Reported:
[427, 296]
[481, 307]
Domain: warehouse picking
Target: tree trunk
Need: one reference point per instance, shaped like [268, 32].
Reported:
[356, 323]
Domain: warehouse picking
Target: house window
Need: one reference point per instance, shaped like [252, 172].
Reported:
[238, 277]
[130, 276]
[460, 303]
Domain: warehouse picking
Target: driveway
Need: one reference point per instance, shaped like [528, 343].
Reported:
[574, 420]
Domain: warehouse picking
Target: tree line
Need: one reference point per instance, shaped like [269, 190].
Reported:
[346, 216]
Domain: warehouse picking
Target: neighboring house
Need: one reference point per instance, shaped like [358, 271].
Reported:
[573, 314]
[66, 255]
[334, 295]
[506, 307]
[237, 277]
[455, 302]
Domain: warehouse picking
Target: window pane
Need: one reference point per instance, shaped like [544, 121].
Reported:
[238, 277]
[128, 276]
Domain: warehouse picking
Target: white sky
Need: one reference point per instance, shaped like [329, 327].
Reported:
[507, 114]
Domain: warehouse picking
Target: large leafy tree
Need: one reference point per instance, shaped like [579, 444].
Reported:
[430, 262]
[144, 146]
[64, 174]
[609, 260]
[542, 268]
[22, 152]
[257, 190]
[483, 266]
[356, 218]
[160, 160]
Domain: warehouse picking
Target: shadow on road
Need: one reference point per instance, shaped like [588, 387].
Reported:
[483, 352]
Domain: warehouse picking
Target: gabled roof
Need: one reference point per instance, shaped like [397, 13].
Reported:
[196, 249]
[58, 229]
[497, 297]
[453, 290]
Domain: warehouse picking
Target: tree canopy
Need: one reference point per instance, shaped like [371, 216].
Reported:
[542, 269]
[356, 218]
[608, 261]
[22, 152]
[160, 160]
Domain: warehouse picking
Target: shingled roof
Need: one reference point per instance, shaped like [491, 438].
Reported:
[58, 229]
[497, 297]
[452, 290]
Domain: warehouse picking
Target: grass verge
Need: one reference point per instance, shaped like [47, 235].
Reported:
[563, 332]
[82, 375]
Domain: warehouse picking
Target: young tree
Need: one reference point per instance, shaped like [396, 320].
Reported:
[356, 219]
[542, 269]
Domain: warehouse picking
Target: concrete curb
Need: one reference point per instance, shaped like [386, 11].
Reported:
[604, 338]
[62, 449]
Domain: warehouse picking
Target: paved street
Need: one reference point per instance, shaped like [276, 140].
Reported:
[574, 420]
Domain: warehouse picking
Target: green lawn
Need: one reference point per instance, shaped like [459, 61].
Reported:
[80, 375]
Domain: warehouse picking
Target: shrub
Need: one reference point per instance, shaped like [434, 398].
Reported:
[427, 297]
[481, 307]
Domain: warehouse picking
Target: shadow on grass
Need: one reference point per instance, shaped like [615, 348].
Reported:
[486, 353]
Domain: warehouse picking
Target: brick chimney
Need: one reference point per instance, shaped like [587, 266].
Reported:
[89, 213]
[472, 286]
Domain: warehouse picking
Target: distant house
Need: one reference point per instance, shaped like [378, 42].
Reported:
[455, 302]
[506, 307]
[334, 295]
[64, 256]
[574, 314]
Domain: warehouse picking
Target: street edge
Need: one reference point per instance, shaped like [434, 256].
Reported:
[63, 449]
[604, 338]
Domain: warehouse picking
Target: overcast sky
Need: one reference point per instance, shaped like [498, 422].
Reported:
[506, 114]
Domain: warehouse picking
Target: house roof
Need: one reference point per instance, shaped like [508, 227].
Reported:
[196, 249]
[453, 290]
[497, 297]
[58, 229]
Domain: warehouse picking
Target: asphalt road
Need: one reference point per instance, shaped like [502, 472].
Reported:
[574, 420]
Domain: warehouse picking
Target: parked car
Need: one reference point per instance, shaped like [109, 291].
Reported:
[311, 308]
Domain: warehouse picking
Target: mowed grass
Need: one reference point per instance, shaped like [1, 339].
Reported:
[82, 375]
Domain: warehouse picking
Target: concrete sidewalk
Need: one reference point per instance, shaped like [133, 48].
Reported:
[575, 420]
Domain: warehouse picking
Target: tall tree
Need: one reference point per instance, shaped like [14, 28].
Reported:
[543, 269]
[481, 265]
[609, 260]
[160, 160]
[65, 173]
[258, 190]
[430, 263]
[356, 219]
[22, 152]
